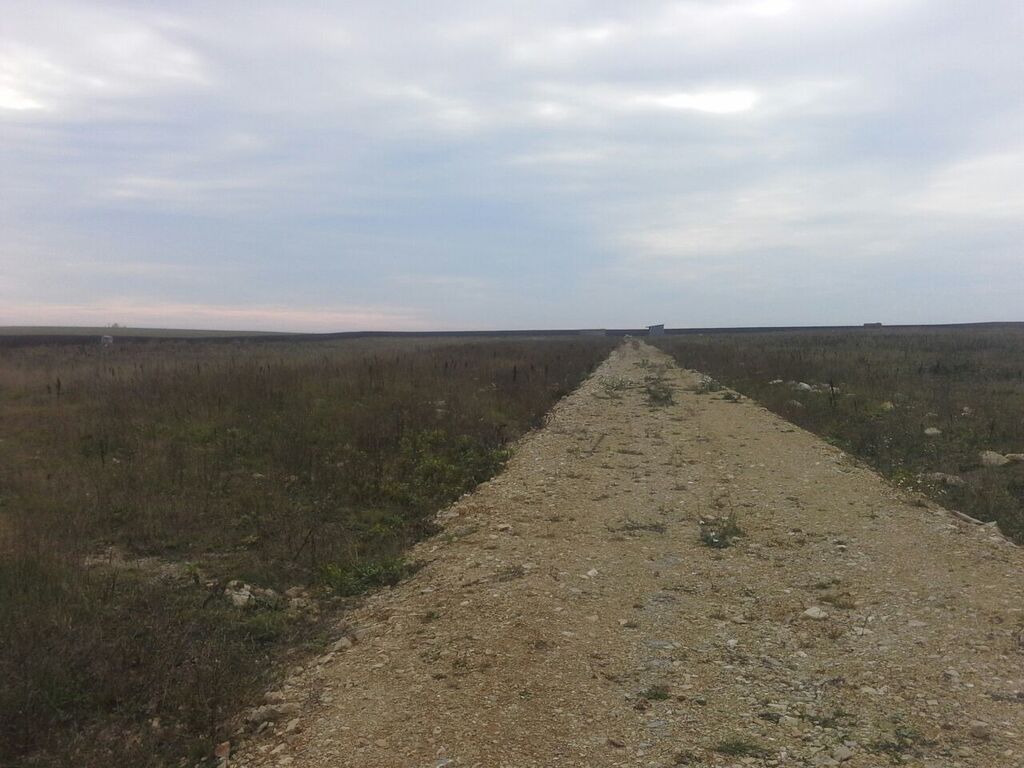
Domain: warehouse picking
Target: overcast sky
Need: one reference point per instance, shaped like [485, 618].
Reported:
[447, 165]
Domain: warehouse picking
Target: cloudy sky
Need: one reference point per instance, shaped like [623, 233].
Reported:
[458, 164]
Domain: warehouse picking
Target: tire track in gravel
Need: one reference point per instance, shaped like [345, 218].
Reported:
[569, 615]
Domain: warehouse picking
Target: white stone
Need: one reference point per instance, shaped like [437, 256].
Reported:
[842, 753]
[993, 459]
[953, 481]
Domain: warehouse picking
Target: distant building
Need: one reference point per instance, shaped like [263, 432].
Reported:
[655, 330]
[106, 341]
[872, 325]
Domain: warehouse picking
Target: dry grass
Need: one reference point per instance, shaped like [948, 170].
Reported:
[312, 464]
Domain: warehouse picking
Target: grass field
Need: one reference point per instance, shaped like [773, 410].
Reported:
[137, 482]
[919, 405]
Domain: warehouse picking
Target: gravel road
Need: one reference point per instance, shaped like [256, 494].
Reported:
[569, 614]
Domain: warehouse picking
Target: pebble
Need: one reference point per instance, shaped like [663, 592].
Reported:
[341, 644]
[816, 613]
[843, 753]
[979, 729]
[271, 712]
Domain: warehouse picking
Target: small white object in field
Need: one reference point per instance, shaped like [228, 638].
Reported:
[993, 459]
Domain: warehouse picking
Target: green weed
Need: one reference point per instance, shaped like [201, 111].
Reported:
[718, 533]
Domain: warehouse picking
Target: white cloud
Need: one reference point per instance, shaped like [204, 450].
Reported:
[714, 102]
[542, 144]
[182, 190]
[561, 157]
[165, 314]
[562, 44]
[69, 58]
[852, 212]
[989, 186]
[441, 111]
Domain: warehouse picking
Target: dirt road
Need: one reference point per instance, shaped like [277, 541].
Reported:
[570, 615]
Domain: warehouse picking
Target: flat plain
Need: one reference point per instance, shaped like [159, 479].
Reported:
[244, 549]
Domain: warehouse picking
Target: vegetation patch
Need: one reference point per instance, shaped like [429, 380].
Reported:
[843, 600]
[658, 392]
[718, 533]
[656, 693]
[612, 388]
[740, 746]
[306, 468]
[348, 580]
[900, 741]
[636, 526]
[510, 573]
[707, 385]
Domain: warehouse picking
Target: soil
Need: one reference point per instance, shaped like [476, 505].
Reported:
[574, 611]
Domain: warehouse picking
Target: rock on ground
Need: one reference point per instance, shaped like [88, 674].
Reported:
[993, 459]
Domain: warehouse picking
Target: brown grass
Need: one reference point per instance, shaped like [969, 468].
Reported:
[312, 464]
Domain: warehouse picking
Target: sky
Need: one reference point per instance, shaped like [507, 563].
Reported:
[328, 166]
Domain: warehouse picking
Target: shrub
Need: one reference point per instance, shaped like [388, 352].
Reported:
[349, 579]
[658, 392]
[719, 533]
